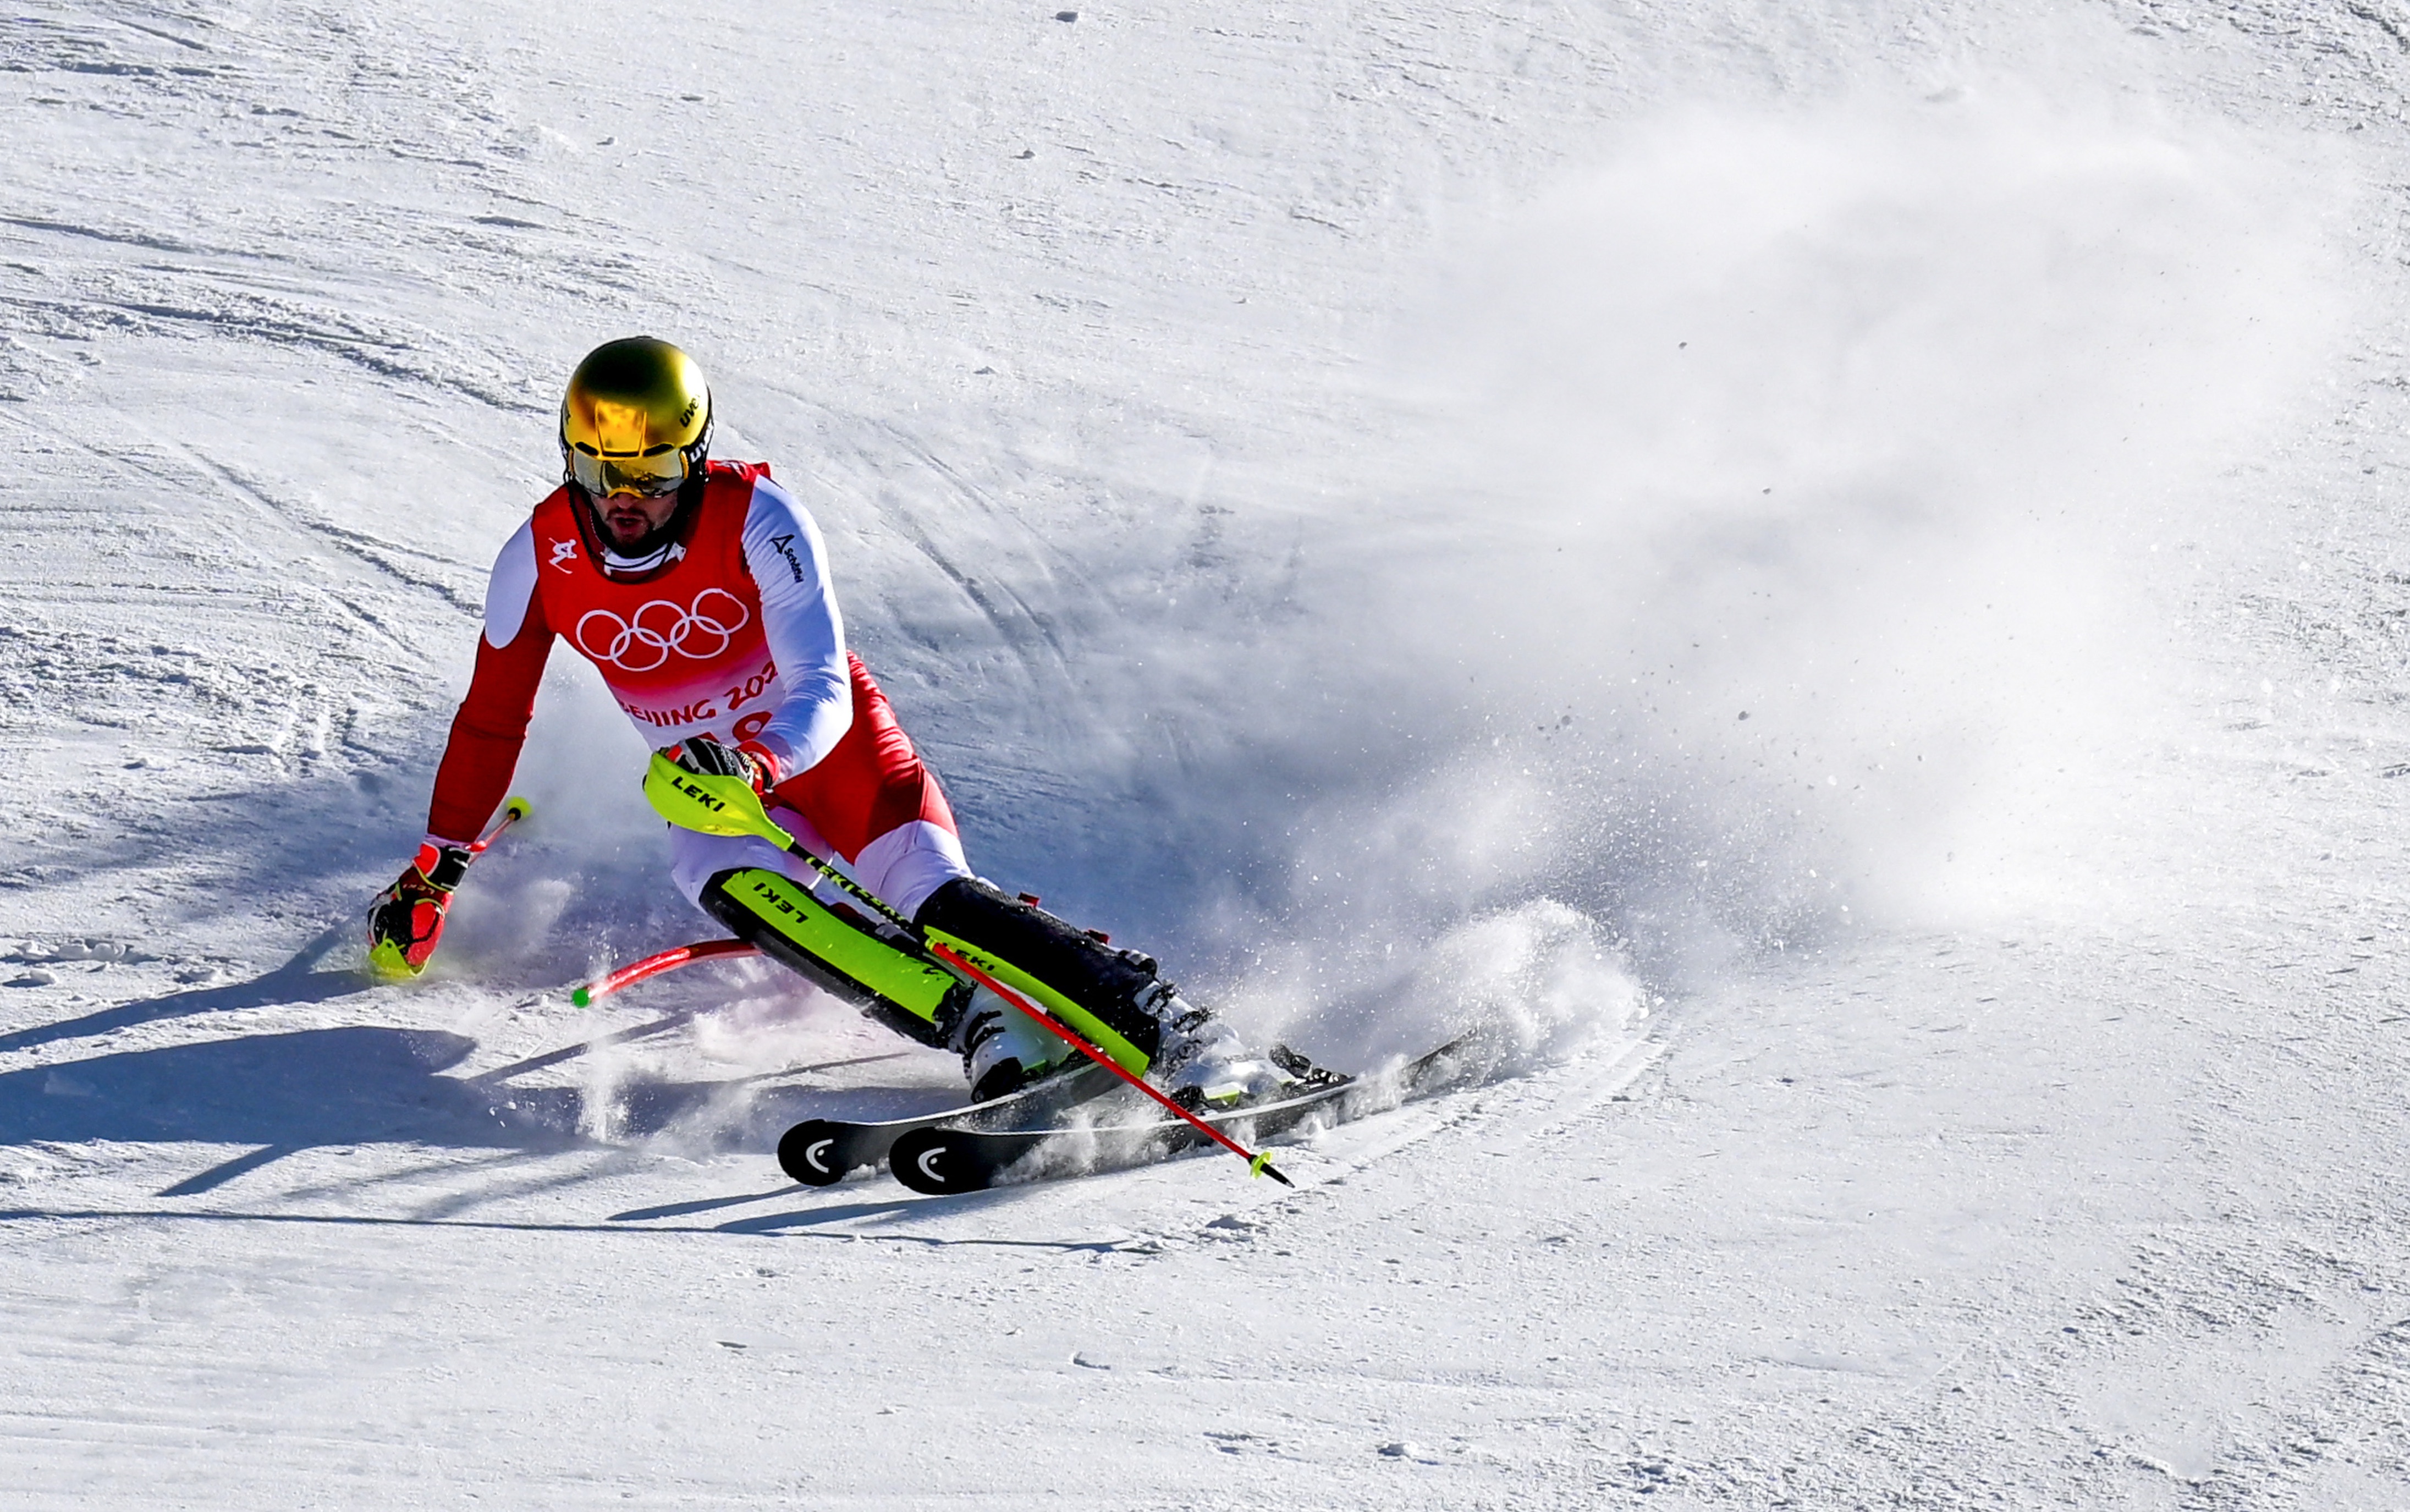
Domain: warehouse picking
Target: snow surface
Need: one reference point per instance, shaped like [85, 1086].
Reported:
[1826, 573]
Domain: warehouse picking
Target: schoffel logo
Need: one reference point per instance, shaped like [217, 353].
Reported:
[561, 552]
[785, 546]
[661, 628]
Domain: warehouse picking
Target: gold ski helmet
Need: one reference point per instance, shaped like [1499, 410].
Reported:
[636, 419]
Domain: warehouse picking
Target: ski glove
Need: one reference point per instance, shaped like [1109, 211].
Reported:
[707, 757]
[407, 919]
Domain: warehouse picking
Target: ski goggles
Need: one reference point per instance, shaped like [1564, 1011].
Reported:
[656, 472]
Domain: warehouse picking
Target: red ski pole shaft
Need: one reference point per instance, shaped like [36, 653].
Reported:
[1260, 1165]
[512, 811]
[653, 966]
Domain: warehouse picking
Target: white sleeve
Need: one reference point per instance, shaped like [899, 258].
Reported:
[512, 587]
[807, 634]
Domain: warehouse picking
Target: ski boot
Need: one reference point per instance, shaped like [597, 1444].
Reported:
[1202, 1063]
[1003, 1050]
[1134, 1014]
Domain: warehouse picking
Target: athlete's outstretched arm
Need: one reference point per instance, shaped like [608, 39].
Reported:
[807, 634]
[492, 723]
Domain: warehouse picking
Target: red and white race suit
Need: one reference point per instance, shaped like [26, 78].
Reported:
[733, 632]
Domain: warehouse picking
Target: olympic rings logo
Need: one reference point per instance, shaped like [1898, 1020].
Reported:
[661, 627]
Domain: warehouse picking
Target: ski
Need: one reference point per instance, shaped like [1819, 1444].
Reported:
[940, 1159]
[820, 1152]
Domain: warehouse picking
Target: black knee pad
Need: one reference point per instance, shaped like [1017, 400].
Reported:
[1117, 986]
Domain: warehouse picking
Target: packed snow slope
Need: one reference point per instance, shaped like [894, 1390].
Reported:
[1827, 577]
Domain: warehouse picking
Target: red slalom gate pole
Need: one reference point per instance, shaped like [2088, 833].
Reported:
[1260, 1165]
[653, 966]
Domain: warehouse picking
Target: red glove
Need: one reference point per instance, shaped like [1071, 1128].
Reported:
[407, 919]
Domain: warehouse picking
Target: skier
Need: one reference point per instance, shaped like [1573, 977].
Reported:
[700, 590]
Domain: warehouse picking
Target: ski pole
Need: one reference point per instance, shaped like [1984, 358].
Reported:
[588, 994]
[515, 809]
[1260, 1165]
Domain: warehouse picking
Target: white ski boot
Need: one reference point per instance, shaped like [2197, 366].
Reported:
[1202, 1058]
[1002, 1050]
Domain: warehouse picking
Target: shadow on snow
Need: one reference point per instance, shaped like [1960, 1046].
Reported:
[282, 1093]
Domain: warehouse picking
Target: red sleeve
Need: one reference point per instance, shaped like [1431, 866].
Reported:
[490, 729]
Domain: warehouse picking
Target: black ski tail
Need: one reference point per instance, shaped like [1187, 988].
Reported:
[821, 1152]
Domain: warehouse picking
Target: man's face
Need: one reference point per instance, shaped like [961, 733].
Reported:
[628, 517]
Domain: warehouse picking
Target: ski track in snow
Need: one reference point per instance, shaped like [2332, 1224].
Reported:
[1908, 765]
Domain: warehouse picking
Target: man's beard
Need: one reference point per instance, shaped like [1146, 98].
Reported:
[646, 550]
